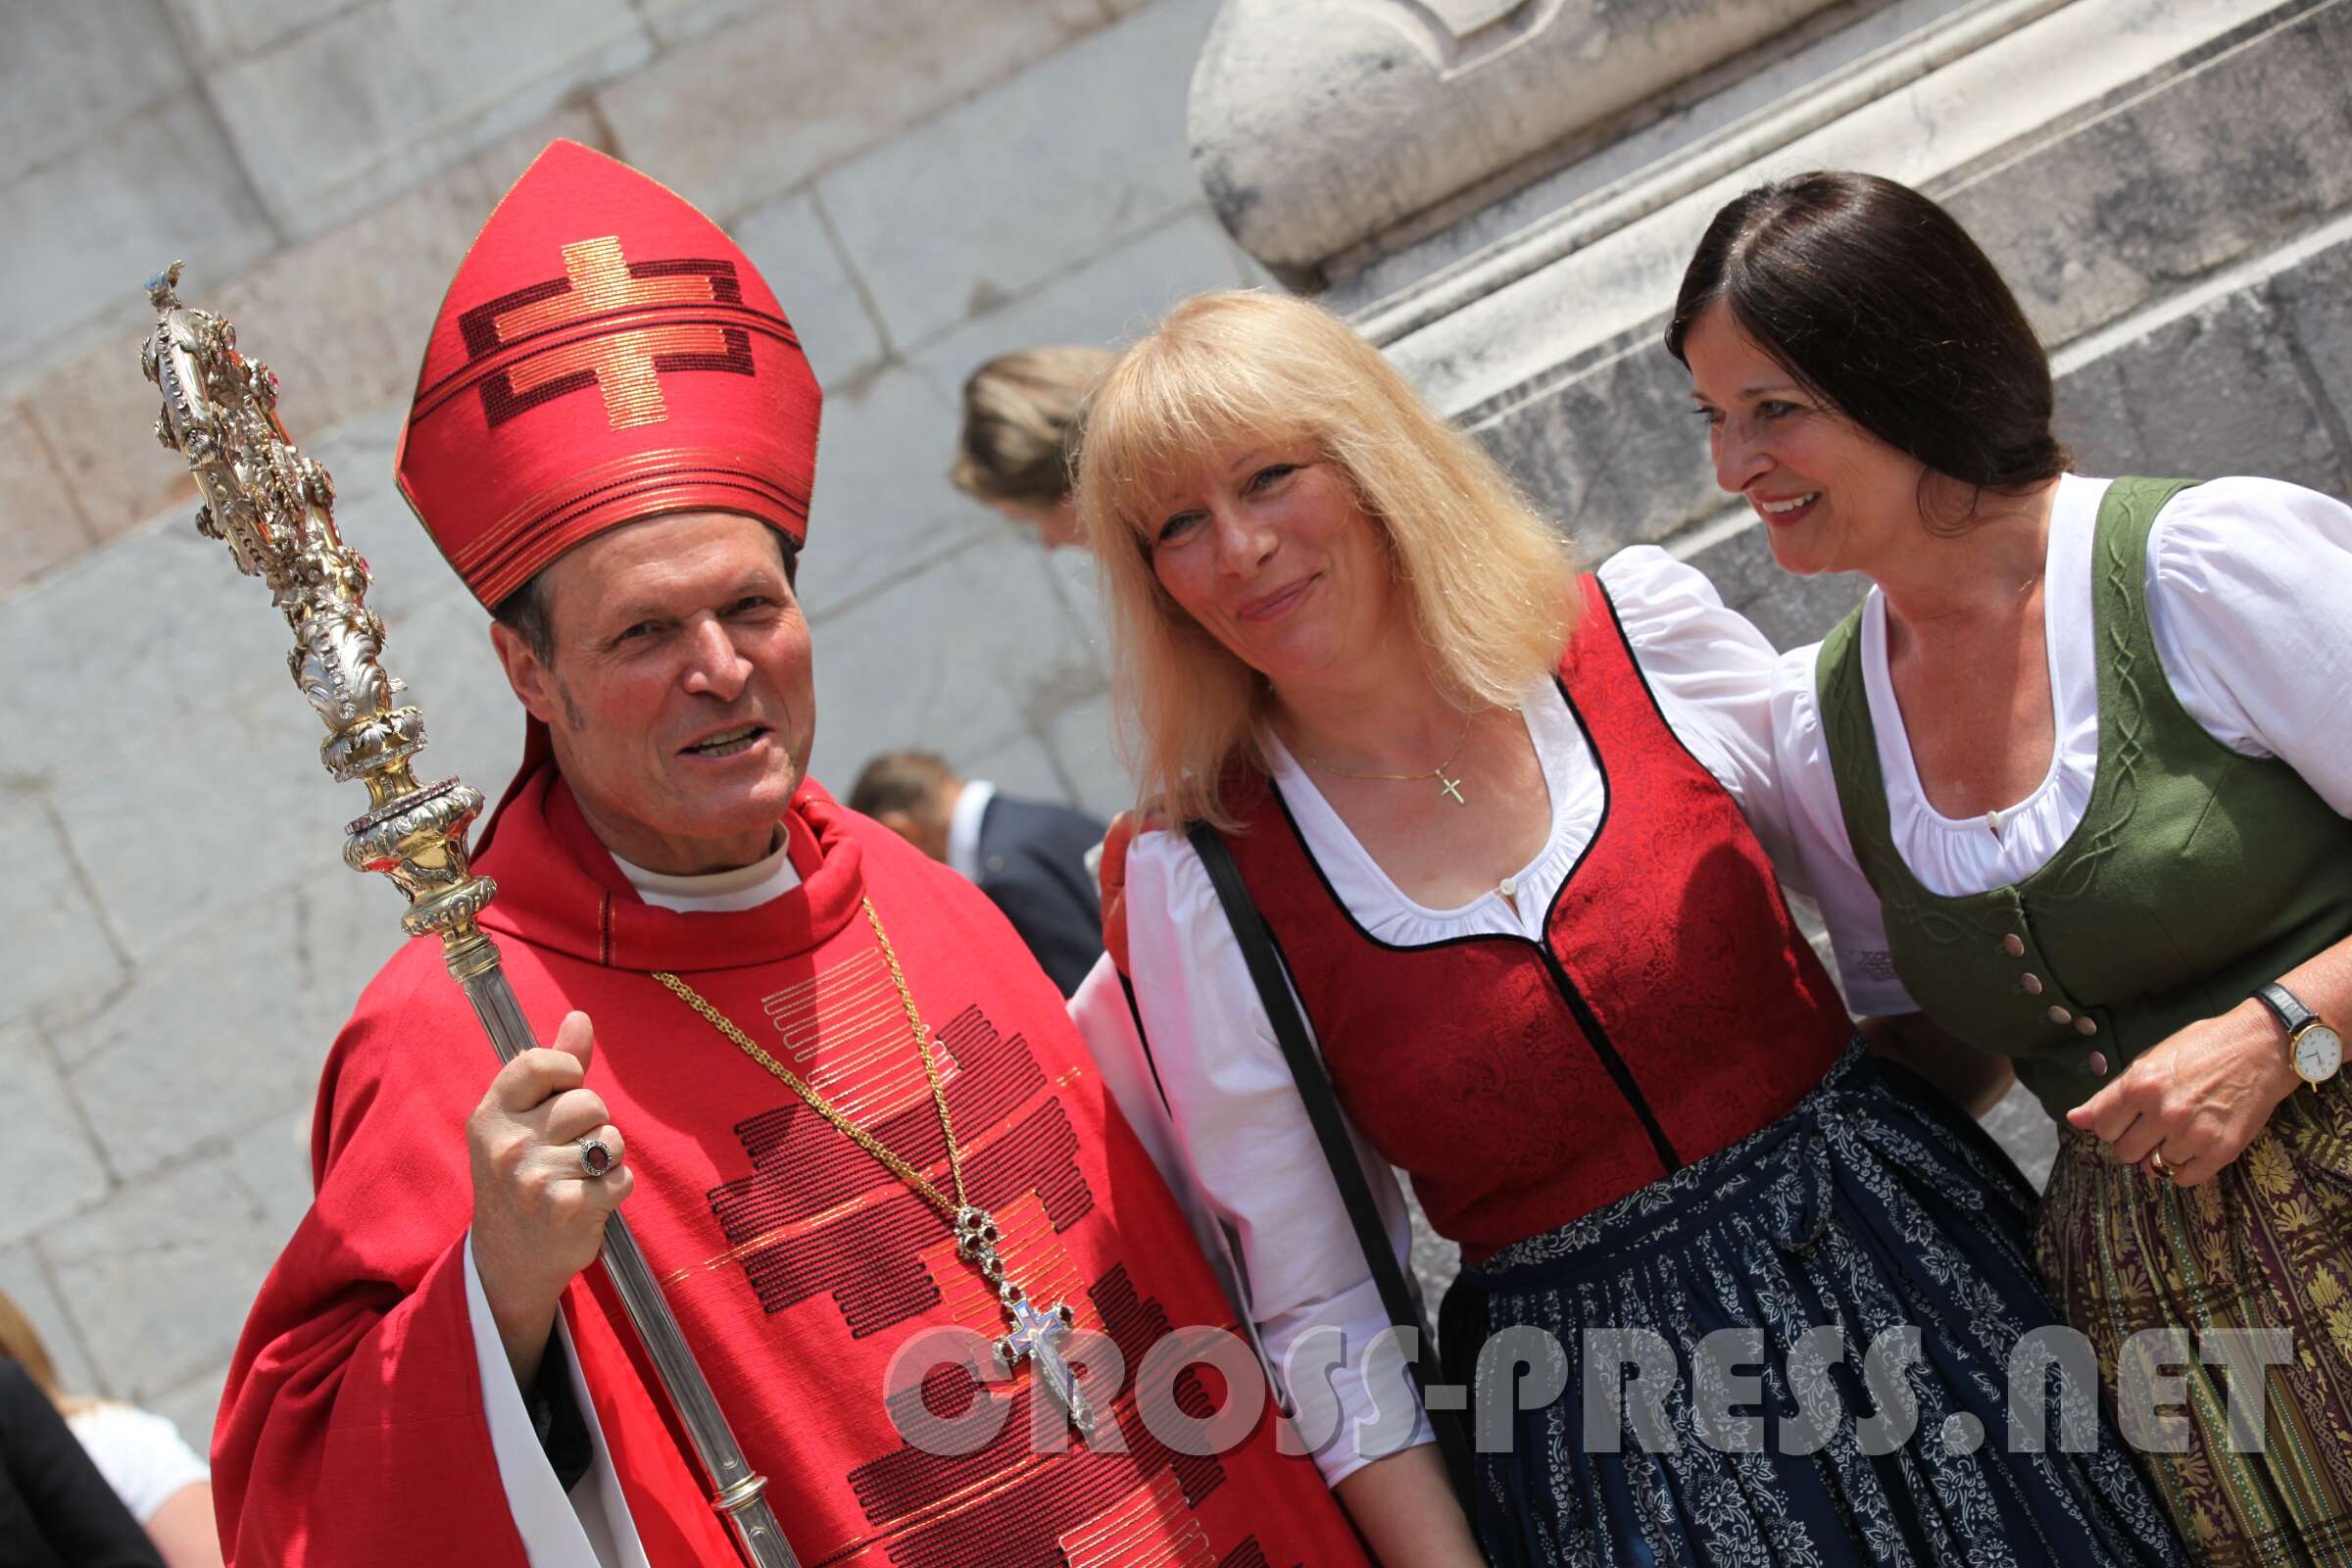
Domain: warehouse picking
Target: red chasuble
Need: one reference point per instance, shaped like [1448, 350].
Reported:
[352, 1430]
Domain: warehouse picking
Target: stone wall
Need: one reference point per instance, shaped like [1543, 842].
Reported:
[923, 185]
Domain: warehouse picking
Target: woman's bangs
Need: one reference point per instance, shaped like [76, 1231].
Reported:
[1175, 408]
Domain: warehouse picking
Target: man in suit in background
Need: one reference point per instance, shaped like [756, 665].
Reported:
[1029, 856]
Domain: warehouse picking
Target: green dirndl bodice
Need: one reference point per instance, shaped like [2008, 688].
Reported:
[2196, 876]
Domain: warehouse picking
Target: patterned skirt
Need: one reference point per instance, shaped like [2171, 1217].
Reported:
[2267, 1243]
[1872, 1249]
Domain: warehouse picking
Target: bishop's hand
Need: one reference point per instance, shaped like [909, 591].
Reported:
[538, 1212]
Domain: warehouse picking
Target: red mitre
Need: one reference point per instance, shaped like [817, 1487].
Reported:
[604, 354]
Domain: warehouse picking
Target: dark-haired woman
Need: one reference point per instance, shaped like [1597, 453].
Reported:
[2072, 784]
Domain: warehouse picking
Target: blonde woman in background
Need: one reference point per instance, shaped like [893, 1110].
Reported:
[1019, 409]
[161, 1482]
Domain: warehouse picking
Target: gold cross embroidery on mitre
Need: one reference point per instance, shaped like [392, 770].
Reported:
[621, 362]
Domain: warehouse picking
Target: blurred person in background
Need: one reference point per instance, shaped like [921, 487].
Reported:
[81, 1476]
[1019, 413]
[1031, 857]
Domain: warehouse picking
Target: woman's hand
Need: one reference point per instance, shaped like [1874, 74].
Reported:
[2197, 1098]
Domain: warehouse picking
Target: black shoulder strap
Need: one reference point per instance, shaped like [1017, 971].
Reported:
[1338, 1151]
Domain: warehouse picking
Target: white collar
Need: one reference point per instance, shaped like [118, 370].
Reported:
[964, 827]
[746, 886]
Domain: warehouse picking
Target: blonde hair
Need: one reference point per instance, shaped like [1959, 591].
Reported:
[1489, 586]
[21, 1343]
[1019, 410]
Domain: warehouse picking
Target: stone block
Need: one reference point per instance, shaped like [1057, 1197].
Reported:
[1789, 610]
[957, 657]
[226, 1029]
[2239, 153]
[62, 960]
[679, 21]
[272, 1161]
[195, 1406]
[1109, 301]
[41, 527]
[340, 115]
[790, 243]
[72, 71]
[2315, 299]
[223, 31]
[95, 416]
[48, 1164]
[883, 505]
[26, 1281]
[754, 109]
[90, 225]
[2216, 391]
[161, 1302]
[1023, 191]
[1611, 454]
[1084, 740]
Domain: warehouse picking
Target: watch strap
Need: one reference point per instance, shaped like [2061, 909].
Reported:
[2286, 1005]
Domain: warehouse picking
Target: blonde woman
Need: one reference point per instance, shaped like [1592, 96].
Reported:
[1491, 811]
[1019, 410]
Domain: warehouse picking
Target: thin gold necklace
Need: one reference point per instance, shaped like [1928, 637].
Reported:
[1450, 787]
[1037, 1332]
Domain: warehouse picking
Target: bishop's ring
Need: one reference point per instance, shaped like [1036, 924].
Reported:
[596, 1157]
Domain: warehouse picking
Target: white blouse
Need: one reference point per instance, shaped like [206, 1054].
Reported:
[1241, 1133]
[2249, 585]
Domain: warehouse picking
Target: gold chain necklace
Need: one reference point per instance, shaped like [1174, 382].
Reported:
[1450, 787]
[1036, 1332]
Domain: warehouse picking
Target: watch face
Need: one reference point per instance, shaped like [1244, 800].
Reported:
[2319, 1052]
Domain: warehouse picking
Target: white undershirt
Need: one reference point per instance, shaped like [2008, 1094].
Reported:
[1237, 1126]
[963, 828]
[2248, 585]
[746, 886]
[592, 1522]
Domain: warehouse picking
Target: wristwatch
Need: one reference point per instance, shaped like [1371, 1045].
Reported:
[2315, 1050]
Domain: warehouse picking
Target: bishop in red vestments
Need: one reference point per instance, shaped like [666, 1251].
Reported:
[613, 442]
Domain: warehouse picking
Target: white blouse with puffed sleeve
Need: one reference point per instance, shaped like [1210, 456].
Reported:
[2250, 582]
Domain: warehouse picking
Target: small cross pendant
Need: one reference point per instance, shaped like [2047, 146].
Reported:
[1451, 786]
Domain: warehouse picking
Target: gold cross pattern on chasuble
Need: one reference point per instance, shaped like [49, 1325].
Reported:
[598, 325]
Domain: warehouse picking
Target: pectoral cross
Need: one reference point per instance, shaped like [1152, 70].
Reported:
[1037, 1332]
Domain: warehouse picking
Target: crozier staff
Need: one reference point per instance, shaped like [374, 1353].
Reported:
[1492, 809]
[841, 1103]
[2072, 785]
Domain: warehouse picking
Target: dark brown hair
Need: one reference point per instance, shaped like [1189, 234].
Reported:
[1875, 299]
